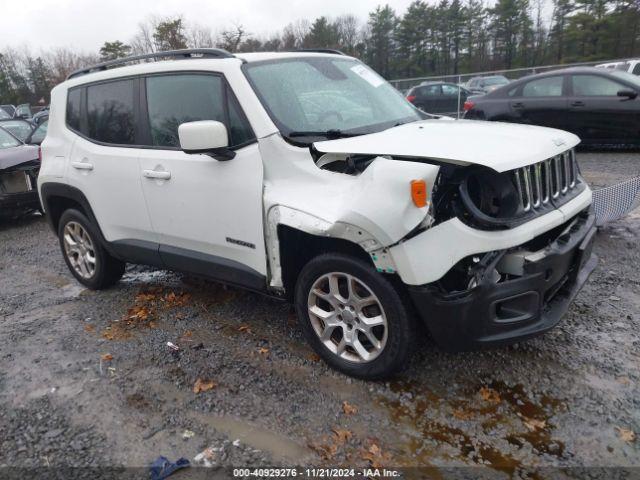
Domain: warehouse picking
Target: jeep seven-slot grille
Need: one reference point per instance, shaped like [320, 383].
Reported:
[542, 182]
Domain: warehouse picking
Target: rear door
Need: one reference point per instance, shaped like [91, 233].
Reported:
[104, 162]
[541, 102]
[428, 98]
[598, 115]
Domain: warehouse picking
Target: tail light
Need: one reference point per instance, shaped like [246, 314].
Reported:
[411, 98]
[468, 105]
[40, 154]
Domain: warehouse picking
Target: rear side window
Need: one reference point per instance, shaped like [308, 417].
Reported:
[543, 87]
[110, 116]
[636, 69]
[430, 91]
[73, 108]
[176, 99]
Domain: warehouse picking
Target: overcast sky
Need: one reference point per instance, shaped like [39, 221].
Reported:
[87, 24]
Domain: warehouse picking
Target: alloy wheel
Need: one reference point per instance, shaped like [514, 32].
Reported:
[347, 317]
[78, 248]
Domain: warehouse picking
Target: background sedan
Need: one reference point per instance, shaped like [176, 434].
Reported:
[438, 97]
[598, 105]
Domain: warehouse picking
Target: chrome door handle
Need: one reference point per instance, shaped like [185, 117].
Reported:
[155, 174]
[82, 165]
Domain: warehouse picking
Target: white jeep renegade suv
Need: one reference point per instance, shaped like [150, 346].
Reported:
[306, 176]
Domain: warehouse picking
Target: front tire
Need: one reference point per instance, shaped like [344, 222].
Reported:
[353, 317]
[83, 253]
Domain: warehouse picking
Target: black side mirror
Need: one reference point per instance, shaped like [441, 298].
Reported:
[630, 94]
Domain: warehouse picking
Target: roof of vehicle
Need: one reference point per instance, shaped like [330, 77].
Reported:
[125, 66]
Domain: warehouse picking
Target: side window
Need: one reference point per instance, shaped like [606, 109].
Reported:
[239, 128]
[73, 108]
[449, 90]
[543, 87]
[636, 69]
[110, 112]
[430, 91]
[594, 86]
[176, 99]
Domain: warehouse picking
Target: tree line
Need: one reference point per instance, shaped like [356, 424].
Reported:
[445, 38]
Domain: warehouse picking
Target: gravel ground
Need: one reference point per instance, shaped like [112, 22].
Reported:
[87, 380]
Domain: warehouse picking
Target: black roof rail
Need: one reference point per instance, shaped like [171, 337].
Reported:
[318, 50]
[184, 53]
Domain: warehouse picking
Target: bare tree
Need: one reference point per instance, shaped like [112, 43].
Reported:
[63, 61]
[294, 34]
[348, 28]
[200, 37]
[142, 42]
[232, 39]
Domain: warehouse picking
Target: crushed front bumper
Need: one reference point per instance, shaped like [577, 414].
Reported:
[516, 309]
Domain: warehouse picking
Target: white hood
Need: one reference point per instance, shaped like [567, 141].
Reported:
[497, 145]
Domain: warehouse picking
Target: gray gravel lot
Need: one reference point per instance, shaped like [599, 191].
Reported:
[86, 378]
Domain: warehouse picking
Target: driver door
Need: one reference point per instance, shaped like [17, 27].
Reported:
[207, 213]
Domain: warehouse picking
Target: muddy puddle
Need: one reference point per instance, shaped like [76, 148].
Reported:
[494, 425]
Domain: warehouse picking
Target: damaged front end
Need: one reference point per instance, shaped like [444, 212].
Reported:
[18, 182]
[502, 296]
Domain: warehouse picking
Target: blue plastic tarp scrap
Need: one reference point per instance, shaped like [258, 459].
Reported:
[161, 467]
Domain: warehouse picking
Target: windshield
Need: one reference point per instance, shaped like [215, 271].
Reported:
[628, 77]
[19, 128]
[314, 95]
[7, 140]
[496, 80]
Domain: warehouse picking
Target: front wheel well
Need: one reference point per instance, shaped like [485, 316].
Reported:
[298, 247]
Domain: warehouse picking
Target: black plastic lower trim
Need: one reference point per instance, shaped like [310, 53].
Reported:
[505, 312]
[189, 261]
[212, 266]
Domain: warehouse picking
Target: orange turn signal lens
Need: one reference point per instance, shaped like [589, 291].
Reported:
[419, 193]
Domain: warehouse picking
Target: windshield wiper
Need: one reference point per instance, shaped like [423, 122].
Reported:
[330, 134]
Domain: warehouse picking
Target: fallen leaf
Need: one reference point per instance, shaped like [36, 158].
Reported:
[89, 328]
[314, 357]
[203, 385]
[534, 424]
[626, 434]
[263, 351]
[172, 299]
[342, 435]
[489, 395]
[107, 357]
[244, 328]
[374, 455]
[188, 333]
[349, 409]
[325, 451]
[462, 414]
[145, 297]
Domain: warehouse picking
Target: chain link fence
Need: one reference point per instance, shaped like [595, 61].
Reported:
[404, 84]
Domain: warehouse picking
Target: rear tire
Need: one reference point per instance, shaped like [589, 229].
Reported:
[83, 253]
[353, 317]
